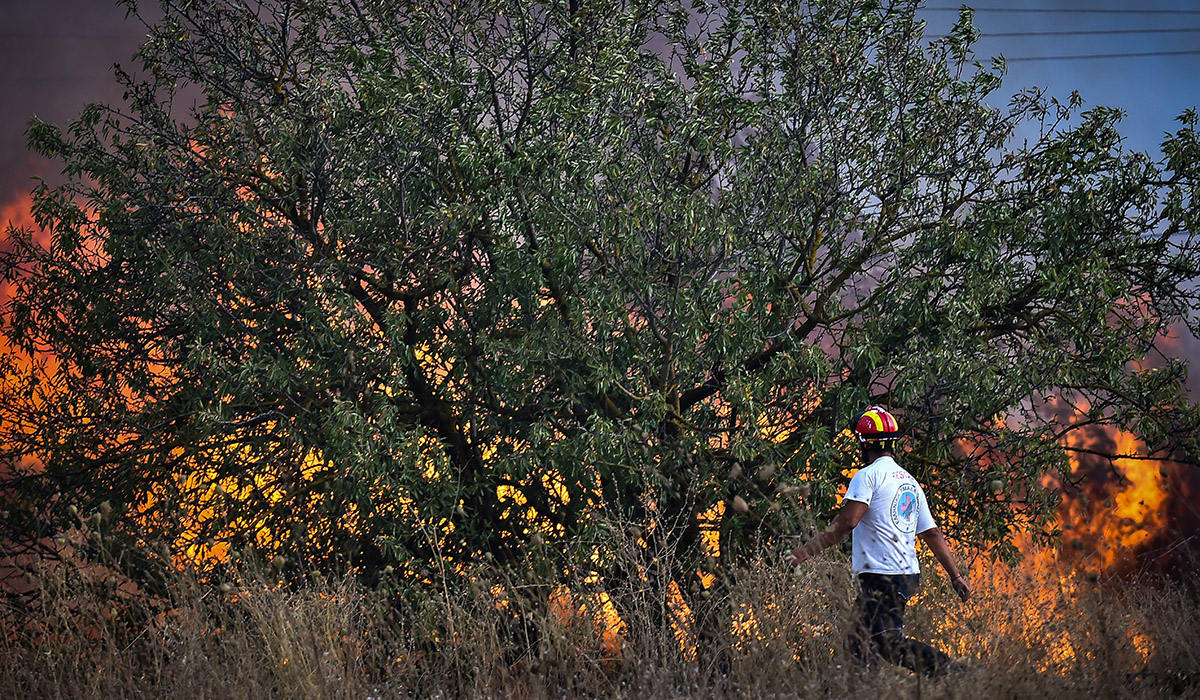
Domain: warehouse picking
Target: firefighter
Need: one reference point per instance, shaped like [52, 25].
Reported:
[885, 509]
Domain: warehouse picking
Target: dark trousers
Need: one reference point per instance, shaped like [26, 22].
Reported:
[879, 627]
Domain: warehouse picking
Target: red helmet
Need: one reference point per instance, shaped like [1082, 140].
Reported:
[876, 423]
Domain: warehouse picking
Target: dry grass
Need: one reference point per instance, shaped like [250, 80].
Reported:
[774, 633]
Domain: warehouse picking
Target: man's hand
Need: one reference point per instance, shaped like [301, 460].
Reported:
[962, 588]
[933, 537]
[797, 556]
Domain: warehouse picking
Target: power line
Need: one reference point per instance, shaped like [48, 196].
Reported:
[1074, 32]
[1084, 32]
[1042, 10]
[1102, 55]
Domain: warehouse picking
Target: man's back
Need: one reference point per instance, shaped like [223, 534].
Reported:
[883, 541]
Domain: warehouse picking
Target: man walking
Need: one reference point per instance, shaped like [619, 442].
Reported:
[885, 508]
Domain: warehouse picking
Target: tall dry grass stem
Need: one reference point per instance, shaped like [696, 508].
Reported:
[760, 630]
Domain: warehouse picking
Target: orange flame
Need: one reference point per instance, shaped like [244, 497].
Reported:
[1112, 510]
[1115, 509]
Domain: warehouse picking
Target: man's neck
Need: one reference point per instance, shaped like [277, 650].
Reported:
[871, 456]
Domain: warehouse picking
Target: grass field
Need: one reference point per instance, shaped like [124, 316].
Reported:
[1029, 632]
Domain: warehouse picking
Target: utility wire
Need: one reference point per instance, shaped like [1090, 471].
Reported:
[1102, 55]
[1084, 32]
[1076, 32]
[1042, 10]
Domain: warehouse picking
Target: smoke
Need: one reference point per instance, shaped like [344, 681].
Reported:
[55, 57]
[1179, 343]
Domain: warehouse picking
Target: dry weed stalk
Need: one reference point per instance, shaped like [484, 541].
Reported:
[759, 631]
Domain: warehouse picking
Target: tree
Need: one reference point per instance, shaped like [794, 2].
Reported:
[408, 283]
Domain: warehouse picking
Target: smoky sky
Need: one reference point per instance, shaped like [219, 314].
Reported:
[55, 57]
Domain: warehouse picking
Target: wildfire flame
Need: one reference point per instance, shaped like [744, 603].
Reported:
[1117, 516]
[1120, 515]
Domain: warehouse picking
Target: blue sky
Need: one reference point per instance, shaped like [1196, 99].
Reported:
[1152, 90]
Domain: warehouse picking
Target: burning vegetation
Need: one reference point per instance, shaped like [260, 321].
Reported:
[1125, 514]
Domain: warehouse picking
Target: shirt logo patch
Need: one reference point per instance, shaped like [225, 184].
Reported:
[904, 508]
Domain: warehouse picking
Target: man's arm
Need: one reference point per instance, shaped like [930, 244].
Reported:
[933, 537]
[847, 518]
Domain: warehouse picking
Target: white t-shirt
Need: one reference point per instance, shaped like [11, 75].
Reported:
[884, 541]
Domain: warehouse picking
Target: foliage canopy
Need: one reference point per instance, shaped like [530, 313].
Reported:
[372, 284]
